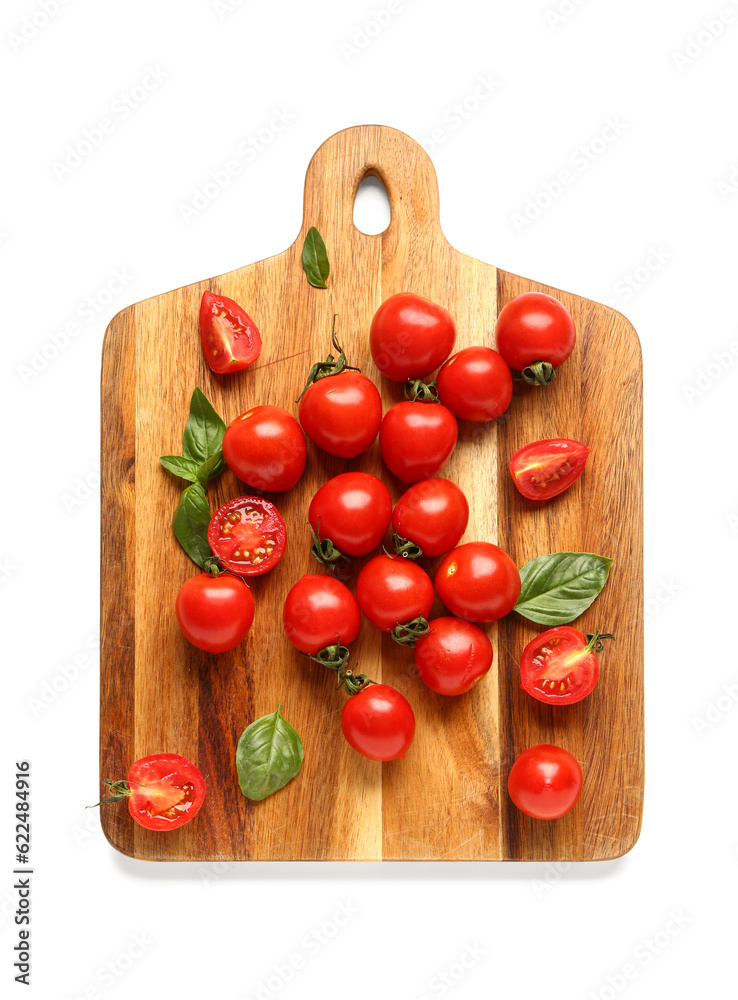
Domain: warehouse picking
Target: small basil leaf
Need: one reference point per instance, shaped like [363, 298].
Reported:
[185, 468]
[190, 523]
[203, 434]
[210, 469]
[269, 754]
[315, 259]
[557, 588]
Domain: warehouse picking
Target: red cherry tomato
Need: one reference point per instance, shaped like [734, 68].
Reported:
[559, 666]
[544, 469]
[265, 448]
[164, 791]
[453, 657]
[342, 413]
[320, 611]
[393, 591]
[535, 328]
[379, 722]
[354, 509]
[478, 582]
[410, 337]
[432, 514]
[214, 613]
[475, 384]
[229, 336]
[545, 782]
[416, 439]
[248, 535]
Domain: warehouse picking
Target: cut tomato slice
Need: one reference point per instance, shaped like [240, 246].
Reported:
[544, 469]
[229, 336]
[165, 791]
[248, 535]
[559, 666]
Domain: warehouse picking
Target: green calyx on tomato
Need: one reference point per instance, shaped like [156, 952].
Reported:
[405, 548]
[324, 550]
[535, 334]
[407, 634]
[417, 391]
[331, 365]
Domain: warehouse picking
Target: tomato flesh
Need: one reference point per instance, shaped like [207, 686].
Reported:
[248, 535]
[230, 339]
[556, 667]
[320, 611]
[545, 782]
[167, 791]
[379, 723]
[544, 469]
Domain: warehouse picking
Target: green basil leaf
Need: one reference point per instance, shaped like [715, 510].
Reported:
[315, 259]
[210, 469]
[557, 588]
[185, 468]
[190, 523]
[269, 754]
[203, 434]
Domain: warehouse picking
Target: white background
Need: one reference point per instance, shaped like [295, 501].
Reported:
[663, 184]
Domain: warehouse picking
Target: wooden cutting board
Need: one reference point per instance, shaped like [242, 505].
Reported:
[448, 798]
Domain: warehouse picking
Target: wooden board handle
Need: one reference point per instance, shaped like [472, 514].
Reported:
[339, 166]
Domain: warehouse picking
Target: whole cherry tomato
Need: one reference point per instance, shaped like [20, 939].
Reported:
[475, 384]
[396, 595]
[319, 612]
[545, 781]
[410, 336]
[416, 439]
[229, 336]
[535, 334]
[453, 657]
[379, 722]
[478, 581]
[214, 613]
[164, 791]
[265, 448]
[248, 535]
[559, 666]
[544, 469]
[350, 515]
[432, 515]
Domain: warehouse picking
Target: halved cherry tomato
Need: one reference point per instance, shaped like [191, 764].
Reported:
[214, 613]
[475, 384]
[559, 666]
[453, 657]
[416, 439]
[545, 781]
[432, 515]
[350, 514]
[379, 722]
[248, 535]
[164, 791]
[265, 448]
[229, 336]
[544, 469]
[478, 581]
[535, 334]
[320, 611]
[410, 336]
[393, 593]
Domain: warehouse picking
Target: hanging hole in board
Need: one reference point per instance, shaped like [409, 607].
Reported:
[372, 213]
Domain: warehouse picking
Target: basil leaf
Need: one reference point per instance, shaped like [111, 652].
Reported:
[557, 588]
[203, 434]
[190, 523]
[185, 468]
[210, 469]
[315, 259]
[269, 754]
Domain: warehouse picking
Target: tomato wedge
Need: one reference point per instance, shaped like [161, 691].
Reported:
[229, 336]
[559, 666]
[544, 469]
[248, 535]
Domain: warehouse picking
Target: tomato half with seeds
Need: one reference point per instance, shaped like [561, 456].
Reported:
[164, 791]
[535, 334]
[475, 384]
[379, 722]
[214, 613]
[248, 535]
[265, 448]
[545, 781]
[432, 515]
[410, 336]
[544, 469]
[352, 512]
[230, 339]
[416, 439]
[478, 581]
[320, 611]
[393, 592]
[559, 666]
[453, 657]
